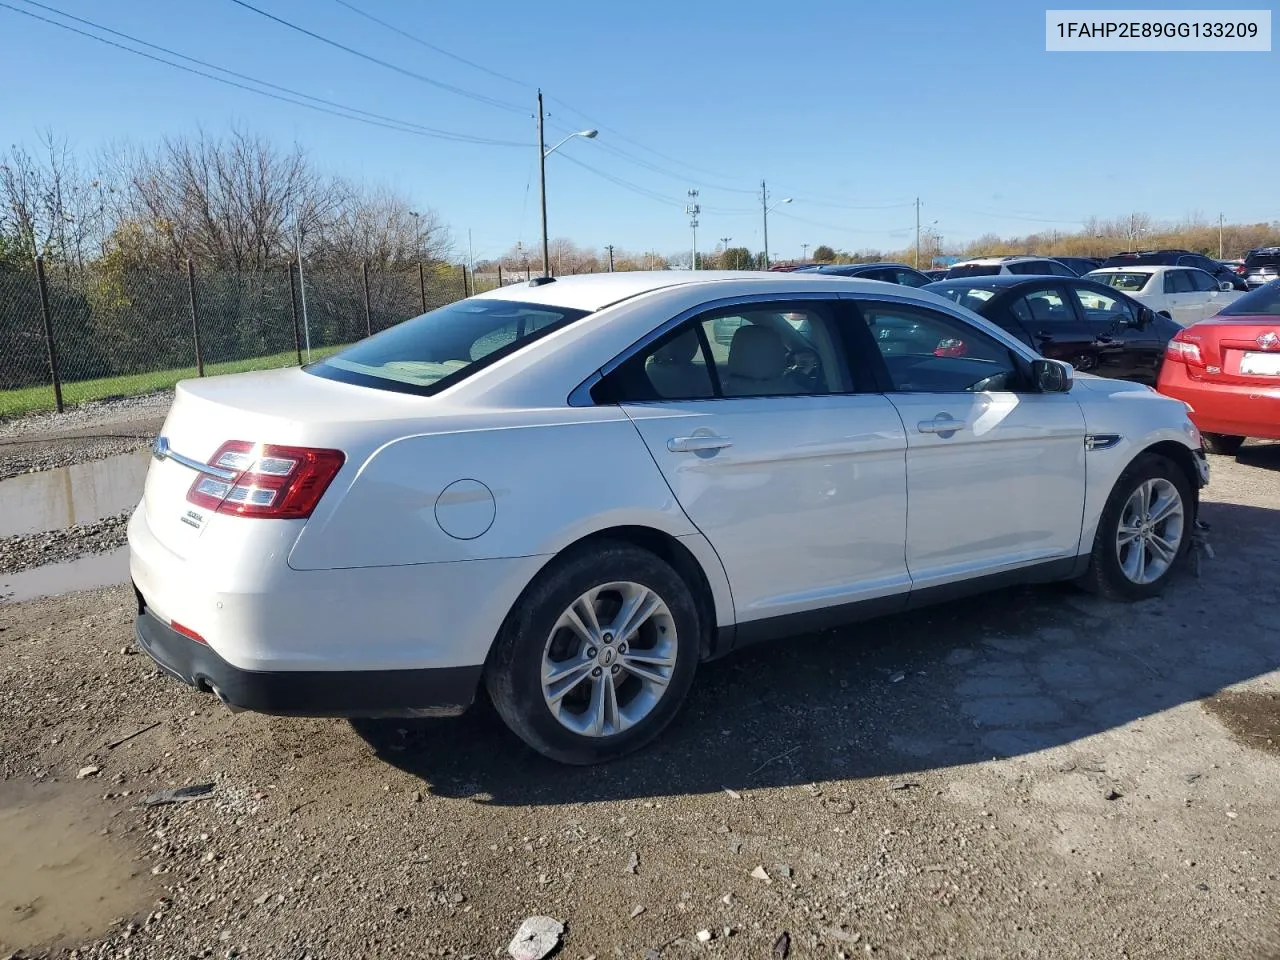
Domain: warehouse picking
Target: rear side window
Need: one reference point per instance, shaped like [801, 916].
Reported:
[1263, 302]
[755, 350]
[434, 351]
[1178, 281]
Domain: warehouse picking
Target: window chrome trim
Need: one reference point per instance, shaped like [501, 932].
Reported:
[581, 394]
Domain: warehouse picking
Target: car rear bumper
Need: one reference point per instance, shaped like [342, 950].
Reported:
[441, 691]
[1232, 409]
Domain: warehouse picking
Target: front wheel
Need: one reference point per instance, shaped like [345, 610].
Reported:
[598, 655]
[1145, 529]
[1223, 443]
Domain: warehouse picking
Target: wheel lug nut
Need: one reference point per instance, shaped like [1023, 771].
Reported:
[595, 672]
[608, 638]
[622, 648]
[615, 669]
[591, 651]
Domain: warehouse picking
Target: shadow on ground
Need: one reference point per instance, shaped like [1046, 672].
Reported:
[996, 676]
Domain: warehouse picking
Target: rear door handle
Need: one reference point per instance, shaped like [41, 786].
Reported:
[941, 424]
[694, 444]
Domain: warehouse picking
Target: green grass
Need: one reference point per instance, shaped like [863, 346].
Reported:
[15, 403]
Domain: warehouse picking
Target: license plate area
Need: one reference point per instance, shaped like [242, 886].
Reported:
[1260, 364]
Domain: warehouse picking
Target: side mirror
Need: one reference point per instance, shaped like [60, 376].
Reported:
[1226, 285]
[1052, 376]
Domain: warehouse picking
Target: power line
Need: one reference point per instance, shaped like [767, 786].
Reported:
[320, 104]
[625, 184]
[832, 226]
[393, 123]
[470, 95]
[1003, 216]
[431, 46]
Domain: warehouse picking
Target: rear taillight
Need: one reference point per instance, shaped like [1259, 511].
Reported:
[951, 347]
[1185, 350]
[281, 483]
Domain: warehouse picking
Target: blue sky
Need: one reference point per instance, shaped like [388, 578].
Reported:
[853, 109]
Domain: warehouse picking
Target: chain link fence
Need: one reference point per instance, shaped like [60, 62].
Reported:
[68, 335]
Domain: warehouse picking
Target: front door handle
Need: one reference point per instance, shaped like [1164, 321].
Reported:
[695, 444]
[942, 424]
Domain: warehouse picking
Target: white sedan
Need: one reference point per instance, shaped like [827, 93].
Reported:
[1186, 295]
[574, 491]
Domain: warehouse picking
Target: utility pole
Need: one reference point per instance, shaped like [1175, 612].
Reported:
[302, 287]
[804, 253]
[692, 209]
[917, 263]
[1219, 236]
[542, 185]
[725, 241]
[471, 254]
[764, 209]
[610, 249]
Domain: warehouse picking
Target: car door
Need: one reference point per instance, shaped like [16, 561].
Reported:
[1057, 331]
[1208, 286]
[1181, 299]
[995, 471]
[1129, 347]
[794, 472]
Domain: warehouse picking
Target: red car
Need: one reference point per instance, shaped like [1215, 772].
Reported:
[1227, 368]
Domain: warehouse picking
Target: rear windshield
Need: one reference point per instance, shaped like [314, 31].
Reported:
[1128, 282]
[1269, 259]
[973, 270]
[434, 351]
[974, 298]
[1265, 301]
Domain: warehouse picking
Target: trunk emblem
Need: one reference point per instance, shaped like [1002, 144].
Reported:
[1269, 341]
[160, 448]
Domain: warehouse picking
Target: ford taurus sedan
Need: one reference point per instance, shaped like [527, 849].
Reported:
[573, 493]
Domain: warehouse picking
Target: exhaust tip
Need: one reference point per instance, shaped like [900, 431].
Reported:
[223, 698]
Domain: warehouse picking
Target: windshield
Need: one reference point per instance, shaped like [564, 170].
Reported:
[1269, 258]
[437, 349]
[973, 270]
[974, 298]
[1264, 301]
[1131, 282]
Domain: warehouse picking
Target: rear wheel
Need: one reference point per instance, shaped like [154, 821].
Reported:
[1223, 443]
[598, 656]
[1145, 529]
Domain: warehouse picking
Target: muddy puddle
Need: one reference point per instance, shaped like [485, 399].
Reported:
[1252, 716]
[84, 573]
[62, 881]
[66, 496]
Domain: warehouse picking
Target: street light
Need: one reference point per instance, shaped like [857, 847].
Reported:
[543, 153]
[417, 233]
[763, 204]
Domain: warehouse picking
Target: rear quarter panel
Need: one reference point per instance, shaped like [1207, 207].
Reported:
[555, 476]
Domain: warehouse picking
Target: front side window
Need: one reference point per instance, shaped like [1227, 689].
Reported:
[909, 278]
[1177, 281]
[928, 352]
[971, 297]
[753, 350]
[1102, 307]
[1201, 281]
[435, 350]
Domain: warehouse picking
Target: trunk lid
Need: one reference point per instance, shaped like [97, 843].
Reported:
[1240, 350]
[288, 407]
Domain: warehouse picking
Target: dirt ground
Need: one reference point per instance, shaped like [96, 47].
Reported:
[1035, 773]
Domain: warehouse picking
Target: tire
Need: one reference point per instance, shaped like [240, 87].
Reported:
[533, 640]
[1223, 443]
[1107, 575]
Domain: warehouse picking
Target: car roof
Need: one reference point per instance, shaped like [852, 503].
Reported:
[1000, 280]
[1010, 258]
[1144, 267]
[878, 264]
[595, 291]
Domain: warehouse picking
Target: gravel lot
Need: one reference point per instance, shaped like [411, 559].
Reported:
[1035, 773]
